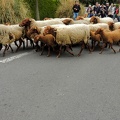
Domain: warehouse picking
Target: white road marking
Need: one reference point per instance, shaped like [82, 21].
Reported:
[14, 57]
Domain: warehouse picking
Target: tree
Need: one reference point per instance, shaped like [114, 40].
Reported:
[37, 10]
[43, 8]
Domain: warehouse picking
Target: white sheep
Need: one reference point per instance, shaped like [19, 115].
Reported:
[95, 19]
[72, 34]
[14, 29]
[32, 22]
[94, 27]
[71, 21]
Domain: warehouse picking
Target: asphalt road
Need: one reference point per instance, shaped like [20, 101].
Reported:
[34, 87]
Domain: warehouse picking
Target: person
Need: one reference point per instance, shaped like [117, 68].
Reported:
[111, 10]
[107, 6]
[103, 11]
[118, 14]
[76, 8]
[97, 9]
[89, 10]
[115, 11]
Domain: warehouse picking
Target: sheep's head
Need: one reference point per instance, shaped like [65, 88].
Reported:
[99, 31]
[33, 30]
[50, 30]
[67, 21]
[111, 25]
[26, 22]
[94, 20]
[46, 18]
[37, 37]
[79, 18]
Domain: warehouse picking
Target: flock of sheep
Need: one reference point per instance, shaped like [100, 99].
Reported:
[61, 34]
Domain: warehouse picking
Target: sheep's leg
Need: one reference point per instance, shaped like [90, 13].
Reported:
[1, 46]
[82, 47]
[93, 45]
[48, 51]
[104, 45]
[37, 47]
[70, 47]
[112, 47]
[60, 50]
[92, 42]
[27, 42]
[11, 48]
[5, 50]
[23, 45]
[88, 46]
[32, 44]
[20, 41]
[42, 50]
[67, 49]
[16, 43]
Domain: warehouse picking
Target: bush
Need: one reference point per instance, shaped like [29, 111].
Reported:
[13, 11]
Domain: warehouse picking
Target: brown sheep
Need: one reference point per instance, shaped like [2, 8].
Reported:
[48, 40]
[95, 38]
[109, 37]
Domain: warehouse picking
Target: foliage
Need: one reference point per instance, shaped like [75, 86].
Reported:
[65, 9]
[47, 8]
[13, 11]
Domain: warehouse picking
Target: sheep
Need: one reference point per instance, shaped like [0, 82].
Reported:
[31, 22]
[71, 21]
[14, 29]
[109, 37]
[48, 40]
[95, 38]
[94, 27]
[72, 34]
[114, 26]
[95, 19]
[6, 41]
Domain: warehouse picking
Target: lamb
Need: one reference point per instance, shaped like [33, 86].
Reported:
[48, 40]
[109, 37]
[95, 20]
[95, 38]
[72, 34]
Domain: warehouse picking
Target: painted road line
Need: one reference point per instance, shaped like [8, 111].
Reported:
[14, 57]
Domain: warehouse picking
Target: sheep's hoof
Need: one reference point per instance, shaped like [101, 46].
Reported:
[58, 56]
[3, 55]
[72, 54]
[48, 55]
[114, 51]
[100, 53]
[78, 55]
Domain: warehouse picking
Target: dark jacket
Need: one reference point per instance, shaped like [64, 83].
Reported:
[76, 8]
